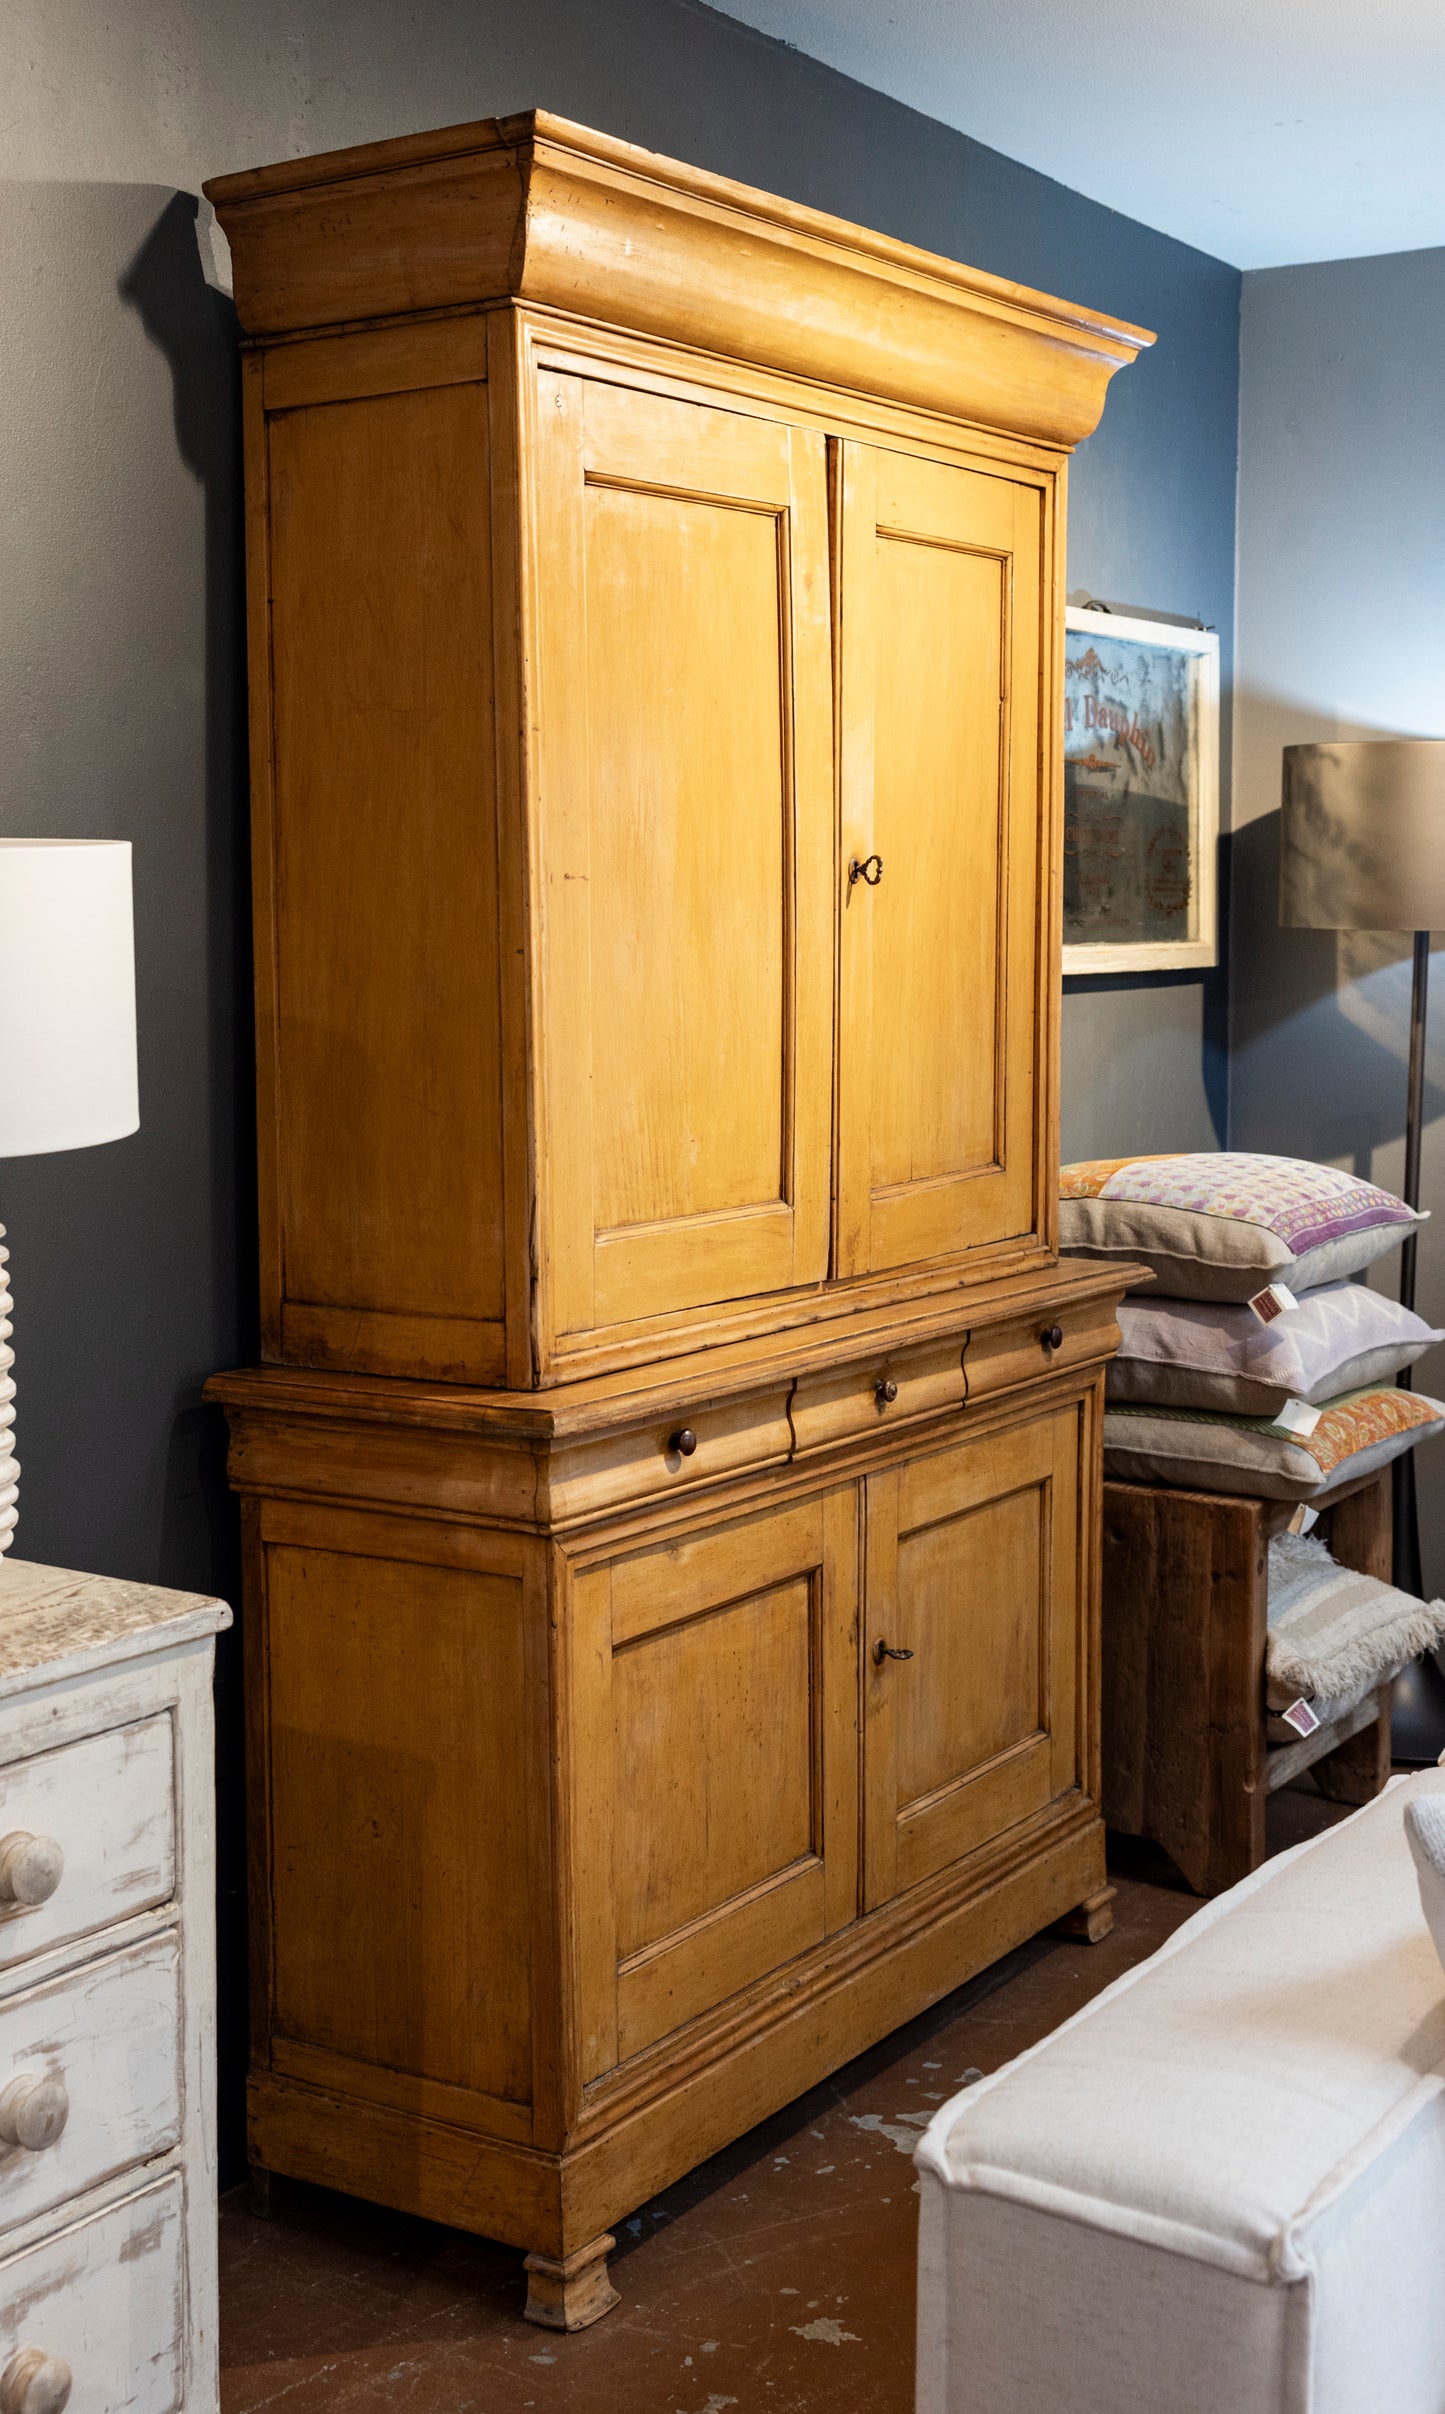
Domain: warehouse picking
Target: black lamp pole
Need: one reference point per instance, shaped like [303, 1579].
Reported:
[1417, 1718]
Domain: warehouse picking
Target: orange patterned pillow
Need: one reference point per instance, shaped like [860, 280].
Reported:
[1201, 1451]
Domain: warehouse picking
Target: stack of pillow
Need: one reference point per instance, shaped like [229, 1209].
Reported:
[1252, 1363]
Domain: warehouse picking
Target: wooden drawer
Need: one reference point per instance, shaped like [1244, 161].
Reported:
[108, 2035]
[645, 1464]
[841, 1404]
[108, 1802]
[999, 1357]
[107, 2298]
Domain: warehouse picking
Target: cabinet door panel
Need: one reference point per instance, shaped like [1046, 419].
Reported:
[683, 704]
[716, 1818]
[973, 1568]
[941, 584]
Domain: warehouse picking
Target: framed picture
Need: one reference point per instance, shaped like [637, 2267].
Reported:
[1141, 793]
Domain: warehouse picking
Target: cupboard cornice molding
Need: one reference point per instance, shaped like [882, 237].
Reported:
[543, 211]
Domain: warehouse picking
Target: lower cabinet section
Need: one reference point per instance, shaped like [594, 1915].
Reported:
[104, 2303]
[584, 1849]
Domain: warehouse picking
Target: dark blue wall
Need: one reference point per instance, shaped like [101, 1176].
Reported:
[121, 672]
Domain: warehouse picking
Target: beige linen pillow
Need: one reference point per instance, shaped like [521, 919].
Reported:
[1204, 1452]
[1222, 1225]
[1194, 1353]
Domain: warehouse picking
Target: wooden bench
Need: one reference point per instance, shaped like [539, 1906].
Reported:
[1186, 1757]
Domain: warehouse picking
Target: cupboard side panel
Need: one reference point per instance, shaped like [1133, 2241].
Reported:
[401, 1841]
[389, 1109]
[263, 845]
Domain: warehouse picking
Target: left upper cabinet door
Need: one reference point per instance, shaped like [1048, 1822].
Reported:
[681, 703]
[376, 889]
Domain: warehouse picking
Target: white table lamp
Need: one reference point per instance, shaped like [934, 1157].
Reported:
[67, 1032]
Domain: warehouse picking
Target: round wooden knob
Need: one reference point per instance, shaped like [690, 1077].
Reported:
[682, 1443]
[35, 2383]
[33, 2112]
[885, 1392]
[31, 1867]
[1054, 1337]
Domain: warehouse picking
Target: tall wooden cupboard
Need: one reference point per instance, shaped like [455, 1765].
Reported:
[673, 1490]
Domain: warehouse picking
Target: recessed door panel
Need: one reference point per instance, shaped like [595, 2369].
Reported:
[716, 1819]
[938, 1076]
[388, 1050]
[972, 1570]
[684, 709]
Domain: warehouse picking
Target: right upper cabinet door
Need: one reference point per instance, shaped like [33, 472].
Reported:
[945, 857]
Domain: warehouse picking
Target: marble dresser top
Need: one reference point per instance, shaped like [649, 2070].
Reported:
[55, 1622]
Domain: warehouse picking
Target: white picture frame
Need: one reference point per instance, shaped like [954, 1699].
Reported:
[1140, 710]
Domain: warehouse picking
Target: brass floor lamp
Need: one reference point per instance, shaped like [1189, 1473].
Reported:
[1362, 847]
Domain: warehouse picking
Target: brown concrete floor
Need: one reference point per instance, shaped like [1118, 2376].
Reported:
[780, 2275]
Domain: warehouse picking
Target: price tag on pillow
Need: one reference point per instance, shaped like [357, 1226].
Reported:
[1303, 1519]
[1301, 1717]
[1274, 1300]
[1297, 1417]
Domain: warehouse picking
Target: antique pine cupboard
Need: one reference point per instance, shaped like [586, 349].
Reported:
[672, 1495]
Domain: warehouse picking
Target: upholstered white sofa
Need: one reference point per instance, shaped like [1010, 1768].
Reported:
[1220, 2188]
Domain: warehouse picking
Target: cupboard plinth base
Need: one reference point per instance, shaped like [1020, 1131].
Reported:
[260, 2192]
[571, 2293]
[1093, 1919]
[744, 2065]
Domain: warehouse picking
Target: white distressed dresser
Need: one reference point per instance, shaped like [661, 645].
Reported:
[107, 1996]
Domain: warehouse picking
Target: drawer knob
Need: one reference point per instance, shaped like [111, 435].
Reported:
[35, 2383]
[31, 1867]
[33, 2113]
[885, 1392]
[1052, 1337]
[682, 1443]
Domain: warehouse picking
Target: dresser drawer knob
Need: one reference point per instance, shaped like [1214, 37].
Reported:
[33, 2113]
[1052, 1338]
[682, 1443]
[885, 1391]
[31, 1867]
[35, 2383]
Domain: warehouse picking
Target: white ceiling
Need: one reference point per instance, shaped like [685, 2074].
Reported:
[1263, 131]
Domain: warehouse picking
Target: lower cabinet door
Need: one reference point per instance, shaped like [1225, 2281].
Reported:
[715, 1811]
[973, 1581]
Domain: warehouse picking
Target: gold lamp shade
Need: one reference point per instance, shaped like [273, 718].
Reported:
[1362, 835]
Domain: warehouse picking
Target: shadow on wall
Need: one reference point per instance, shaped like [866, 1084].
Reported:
[1146, 1056]
[1321, 1025]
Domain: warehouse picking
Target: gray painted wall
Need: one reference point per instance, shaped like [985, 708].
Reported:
[121, 673]
[1341, 633]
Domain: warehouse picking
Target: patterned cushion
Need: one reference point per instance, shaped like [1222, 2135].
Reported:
[1221, 1226]
[1196, 1353]
[1204, 1452]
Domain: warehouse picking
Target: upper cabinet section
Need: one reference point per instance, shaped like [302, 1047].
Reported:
[654, 607]
[535, 209]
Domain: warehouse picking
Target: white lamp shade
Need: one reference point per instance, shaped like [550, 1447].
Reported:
[67, 995]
